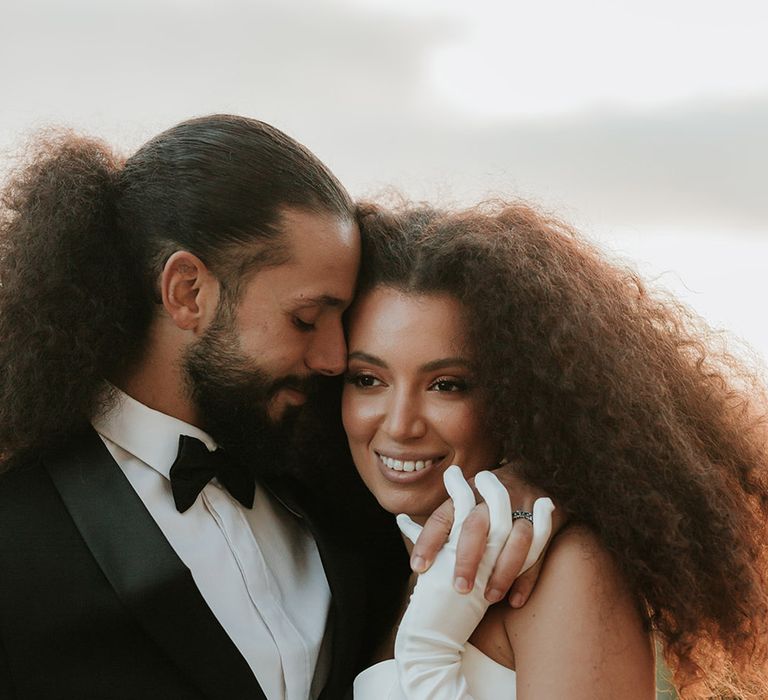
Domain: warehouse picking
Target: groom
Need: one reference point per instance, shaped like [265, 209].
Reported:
[163, 320]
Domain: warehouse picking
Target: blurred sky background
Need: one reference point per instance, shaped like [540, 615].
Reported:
[644, 123]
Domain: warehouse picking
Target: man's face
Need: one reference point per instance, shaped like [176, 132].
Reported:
[254, 364]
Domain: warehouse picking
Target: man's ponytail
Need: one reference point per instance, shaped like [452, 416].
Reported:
[68, 309]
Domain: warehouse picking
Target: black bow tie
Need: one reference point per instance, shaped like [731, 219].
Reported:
[195, 466]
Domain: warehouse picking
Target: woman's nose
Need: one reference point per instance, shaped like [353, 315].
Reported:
[405, 420]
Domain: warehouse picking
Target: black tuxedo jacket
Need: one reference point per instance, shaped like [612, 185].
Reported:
[94, 602]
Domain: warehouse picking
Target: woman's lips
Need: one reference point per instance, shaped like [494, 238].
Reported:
[401, 469]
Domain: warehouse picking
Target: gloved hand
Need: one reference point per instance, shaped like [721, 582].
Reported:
[439, 620]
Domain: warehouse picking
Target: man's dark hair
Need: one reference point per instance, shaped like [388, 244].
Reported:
[84, 236]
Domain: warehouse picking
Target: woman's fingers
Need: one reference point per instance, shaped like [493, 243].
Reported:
[524, 547]
[409, 528]
[462, 522]
[542, 529]
[499, 509]
[472, 537]
[524, 585]
[461, 494]
[471, 545]
[510, 560]
[433, 536]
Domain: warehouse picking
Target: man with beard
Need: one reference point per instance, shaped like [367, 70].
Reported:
[162, 319]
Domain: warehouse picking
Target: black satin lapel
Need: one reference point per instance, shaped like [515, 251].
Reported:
[145, 572]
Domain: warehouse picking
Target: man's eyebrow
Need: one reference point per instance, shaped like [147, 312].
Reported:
[428, 367]
[323, 300]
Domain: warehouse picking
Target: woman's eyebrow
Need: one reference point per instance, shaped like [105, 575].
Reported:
[366, 357]
[427, 367]
[445, 362]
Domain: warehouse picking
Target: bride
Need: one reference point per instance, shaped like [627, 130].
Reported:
[497, 334]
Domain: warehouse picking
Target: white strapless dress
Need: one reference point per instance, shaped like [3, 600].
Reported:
[487, 680]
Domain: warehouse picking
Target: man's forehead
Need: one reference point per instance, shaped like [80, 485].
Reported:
[325, 257]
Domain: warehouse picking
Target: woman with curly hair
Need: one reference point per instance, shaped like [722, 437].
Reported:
[498, 334]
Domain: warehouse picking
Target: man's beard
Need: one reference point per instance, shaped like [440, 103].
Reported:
[232, 396]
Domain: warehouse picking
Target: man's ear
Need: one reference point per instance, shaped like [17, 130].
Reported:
[189, 290]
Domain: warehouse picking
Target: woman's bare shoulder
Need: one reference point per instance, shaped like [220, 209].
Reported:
[582, 629]
[577, 550]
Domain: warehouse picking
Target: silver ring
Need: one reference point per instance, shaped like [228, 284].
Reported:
[526, 515]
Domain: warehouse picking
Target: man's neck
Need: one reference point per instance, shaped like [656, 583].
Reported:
[157, 381]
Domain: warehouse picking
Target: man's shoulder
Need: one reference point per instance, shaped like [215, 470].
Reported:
[26, 484]
[21, 474]
[26, 491]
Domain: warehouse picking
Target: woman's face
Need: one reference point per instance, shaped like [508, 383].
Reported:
[410, 406]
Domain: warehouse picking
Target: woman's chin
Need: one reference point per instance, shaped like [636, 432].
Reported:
[416, 509]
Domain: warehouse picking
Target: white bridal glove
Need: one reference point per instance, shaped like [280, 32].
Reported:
[439, 620]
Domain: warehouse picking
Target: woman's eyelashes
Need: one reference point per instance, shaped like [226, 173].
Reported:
[366, 380]
[449, 384]
[362, 380]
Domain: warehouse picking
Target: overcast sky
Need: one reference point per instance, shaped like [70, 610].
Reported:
[646, 112]
[643, 117]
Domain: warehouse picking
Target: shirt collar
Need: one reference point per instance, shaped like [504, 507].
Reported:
[150, 435]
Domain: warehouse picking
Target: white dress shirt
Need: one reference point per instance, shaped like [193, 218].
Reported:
[258, 569]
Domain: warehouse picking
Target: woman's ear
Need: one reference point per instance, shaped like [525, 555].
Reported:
[189, 291]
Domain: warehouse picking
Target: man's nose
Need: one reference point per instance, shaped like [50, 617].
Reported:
[328, 352]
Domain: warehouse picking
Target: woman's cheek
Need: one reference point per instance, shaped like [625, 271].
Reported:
[358, 414]
[466, 431]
